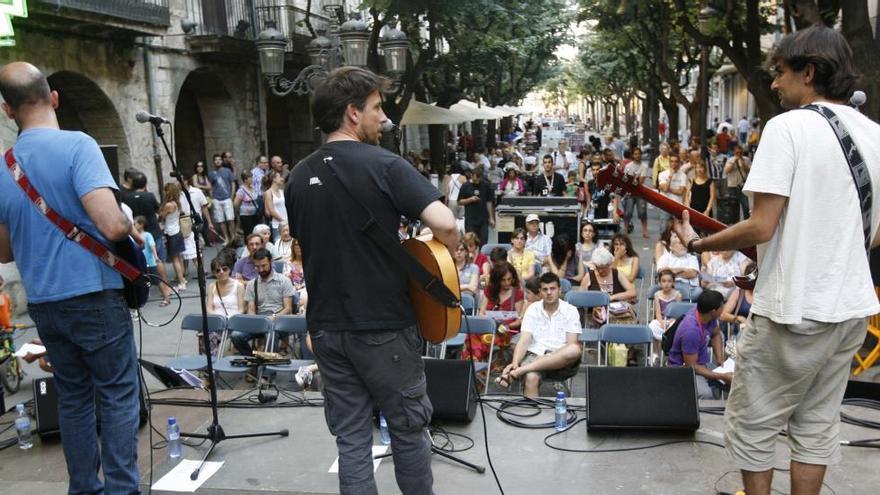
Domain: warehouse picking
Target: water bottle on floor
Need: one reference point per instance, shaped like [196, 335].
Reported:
[23, 428]
[383, 430]
[561, 411]
[174, 447]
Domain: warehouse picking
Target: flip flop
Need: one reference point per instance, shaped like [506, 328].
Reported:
[164, 303]
[504, 381]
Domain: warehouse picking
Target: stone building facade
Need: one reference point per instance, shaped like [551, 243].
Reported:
[191, 61]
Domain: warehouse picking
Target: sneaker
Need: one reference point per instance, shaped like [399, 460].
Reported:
[180, 287]
[304, 377]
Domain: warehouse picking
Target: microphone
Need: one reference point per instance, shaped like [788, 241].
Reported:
[389, 126]
[858, 99]
[144, 117]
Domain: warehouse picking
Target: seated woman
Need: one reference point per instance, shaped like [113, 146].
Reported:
[225, 296]
[468, 273]
[719, 271]
[497, 259]
[502, 300]
[472, 241]
[521, 258]
[607, 279]
[563, 260]
[626, 261]
[584, 249]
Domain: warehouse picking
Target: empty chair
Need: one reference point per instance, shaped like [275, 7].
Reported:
[195, 323]
[625, 334]
[584, 300]
[469, 304]
[249, 324]
[294, 325]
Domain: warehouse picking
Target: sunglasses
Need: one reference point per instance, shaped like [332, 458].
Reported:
[221, 269]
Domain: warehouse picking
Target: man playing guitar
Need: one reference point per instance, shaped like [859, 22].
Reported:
[814, 290]
[362, 326]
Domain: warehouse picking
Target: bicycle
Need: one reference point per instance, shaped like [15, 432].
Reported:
[11, 371]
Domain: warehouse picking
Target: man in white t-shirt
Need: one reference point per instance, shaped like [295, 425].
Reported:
[672, 182]
[548, 344]
[684, 265]
[814, 291]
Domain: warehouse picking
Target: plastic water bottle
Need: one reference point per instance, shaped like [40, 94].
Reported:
[561, 411]
[23, 428]
[384, 436]
[174, 447]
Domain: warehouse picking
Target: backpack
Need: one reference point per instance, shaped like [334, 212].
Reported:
[669, 335]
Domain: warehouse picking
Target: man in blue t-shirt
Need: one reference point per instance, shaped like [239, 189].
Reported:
[222, 191]
[74, 299]
[690, 347]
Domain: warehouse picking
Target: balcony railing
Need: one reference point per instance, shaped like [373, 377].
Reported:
[153, 12]
[290, 19]
[232, 18]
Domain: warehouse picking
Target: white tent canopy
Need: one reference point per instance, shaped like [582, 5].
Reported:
[418, 113]
[480, 113]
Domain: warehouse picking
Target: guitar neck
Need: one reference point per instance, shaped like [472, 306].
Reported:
[698, 220]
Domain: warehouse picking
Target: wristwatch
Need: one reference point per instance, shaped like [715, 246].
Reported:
[690, 245]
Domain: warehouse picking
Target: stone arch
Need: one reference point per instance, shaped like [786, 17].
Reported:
[83, 106]
[204, 119]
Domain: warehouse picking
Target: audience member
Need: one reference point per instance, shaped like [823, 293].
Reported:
[244, 269]
[536, 241]
[563, 259]
[502, 300]
[701, 193]
[222, 191]
[737, 170]
[170, 214]
[684, 265]
[719, 271]
[626, 261]
[548, 347]
[477, 198]
[248, 202]
[521, 258]
[225, 296]
[619, 289]
[511, 184]
[151, 256]
[468, 273]
[634, 167]
[690, 347]
[662, 298]
[265, 233]
[549, 182]
[273, 201]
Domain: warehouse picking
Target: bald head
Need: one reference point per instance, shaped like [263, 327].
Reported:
[23, 84]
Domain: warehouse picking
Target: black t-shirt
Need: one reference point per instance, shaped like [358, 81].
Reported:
[144, 204]
[476, 213]
[352, 283]
[555, 187]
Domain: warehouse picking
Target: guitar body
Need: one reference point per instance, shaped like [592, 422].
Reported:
[437, 322]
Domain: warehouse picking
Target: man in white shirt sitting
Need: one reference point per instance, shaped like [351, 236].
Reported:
[548, 345]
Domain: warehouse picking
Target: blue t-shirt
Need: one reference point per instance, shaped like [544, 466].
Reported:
[63, 166]
[221, 183]
[149, 245]
[690, 338]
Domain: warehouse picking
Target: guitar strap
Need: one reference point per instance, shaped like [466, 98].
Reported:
[358, 215]
[857, 167]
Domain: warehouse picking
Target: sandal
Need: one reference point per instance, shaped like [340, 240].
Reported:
[504, 381]
[164, 303]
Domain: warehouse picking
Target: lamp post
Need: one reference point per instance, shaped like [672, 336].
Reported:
[706, 14]
[346, 45]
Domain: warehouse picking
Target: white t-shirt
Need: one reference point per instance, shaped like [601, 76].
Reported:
[669, 260]
[676, 180]
[815, 267]
[636, 169]
[549, 331]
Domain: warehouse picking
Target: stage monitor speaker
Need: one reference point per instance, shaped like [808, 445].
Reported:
[862, 390]
[451, 389]
[46, 407]
[642, 398]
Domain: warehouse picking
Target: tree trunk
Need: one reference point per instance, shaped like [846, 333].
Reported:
[628, 116]
[479, 134]
[671, 109]
[615, 115]
[866, 53]
[506, 127]
[437, 140]
[491, 140]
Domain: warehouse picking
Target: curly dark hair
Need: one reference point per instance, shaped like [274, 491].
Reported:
[495, 277]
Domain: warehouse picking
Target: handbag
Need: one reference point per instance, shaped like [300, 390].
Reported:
[186, 226]
[126, 257]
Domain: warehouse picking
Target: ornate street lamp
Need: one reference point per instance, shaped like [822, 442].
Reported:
[347, 45]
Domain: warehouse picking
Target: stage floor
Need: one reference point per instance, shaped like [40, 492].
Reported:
[299, 463]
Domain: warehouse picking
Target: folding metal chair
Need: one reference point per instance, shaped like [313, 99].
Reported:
[678, 308]
[475, 325]
[469, 303]
[194, 323]
[628, 335]
[585, 300]
[250, 324]
[294, 325]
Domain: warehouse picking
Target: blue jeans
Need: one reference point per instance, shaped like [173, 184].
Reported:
[91, 346]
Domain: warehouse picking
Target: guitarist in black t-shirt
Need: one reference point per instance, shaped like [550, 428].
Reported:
[362, 326]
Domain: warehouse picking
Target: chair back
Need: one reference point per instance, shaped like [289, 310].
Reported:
[487, 248]
[216, 323]
[676, 309]
[588, 298]
[625, 334]
[477, 325]
[564, 286]
[469, 304]
[251, 324]
[293, 324]
[279, 266]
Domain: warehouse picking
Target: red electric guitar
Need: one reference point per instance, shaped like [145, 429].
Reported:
[613, 180]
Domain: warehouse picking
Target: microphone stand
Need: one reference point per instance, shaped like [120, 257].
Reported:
[215, 433]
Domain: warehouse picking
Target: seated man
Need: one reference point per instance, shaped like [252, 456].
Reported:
[684, 265]
[269, 294]
[548, 346]
[244, 269]
[690, 347]
[265, 233]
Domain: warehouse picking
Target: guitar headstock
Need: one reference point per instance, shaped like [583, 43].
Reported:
[611, 179]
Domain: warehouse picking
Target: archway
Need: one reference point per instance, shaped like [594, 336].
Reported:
[204, 120]
[83, 106]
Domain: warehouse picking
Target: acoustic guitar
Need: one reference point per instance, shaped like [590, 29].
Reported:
[614, 180]
[437, 321]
